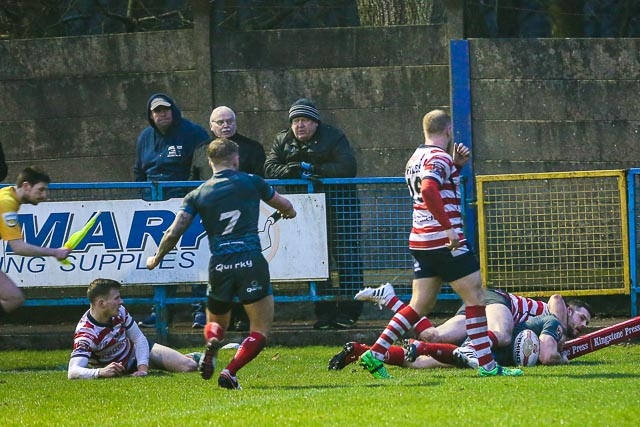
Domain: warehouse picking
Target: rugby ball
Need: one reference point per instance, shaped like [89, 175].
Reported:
[526, 348]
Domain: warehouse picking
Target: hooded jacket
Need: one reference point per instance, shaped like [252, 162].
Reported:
[167, 157]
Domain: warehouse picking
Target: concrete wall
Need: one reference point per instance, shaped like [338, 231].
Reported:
[76, 105]
[547, 105]
[374, 83]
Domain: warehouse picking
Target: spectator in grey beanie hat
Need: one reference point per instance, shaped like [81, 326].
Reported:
[304, 108]
[311, 149]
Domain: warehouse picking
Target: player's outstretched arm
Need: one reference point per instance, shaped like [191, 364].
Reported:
[23, 248]
[283, 205]
[170, 239]
[78, 370]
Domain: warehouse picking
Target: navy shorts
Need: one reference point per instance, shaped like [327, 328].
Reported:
[243, 275]
[442, 263]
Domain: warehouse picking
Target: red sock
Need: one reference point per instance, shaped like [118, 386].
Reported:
[212, 330]
[493, 338]
[422, 325]
[249, 349]
[443, 353]
[359, 348]
[399, 325]
[395, 356]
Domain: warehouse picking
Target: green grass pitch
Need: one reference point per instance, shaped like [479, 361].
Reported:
[292, 387]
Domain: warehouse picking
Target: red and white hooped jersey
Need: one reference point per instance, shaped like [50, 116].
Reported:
[522, 308]
[430, 162]
[104, 343]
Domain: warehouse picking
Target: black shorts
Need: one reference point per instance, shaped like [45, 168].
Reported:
[243, 275]
[441, 263]
[132, 365]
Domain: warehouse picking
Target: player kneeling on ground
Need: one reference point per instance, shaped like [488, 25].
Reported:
[109, 341]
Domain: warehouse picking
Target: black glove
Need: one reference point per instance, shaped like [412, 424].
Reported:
[300, 167]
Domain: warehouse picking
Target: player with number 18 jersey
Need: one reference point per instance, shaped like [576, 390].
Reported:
[427, 233]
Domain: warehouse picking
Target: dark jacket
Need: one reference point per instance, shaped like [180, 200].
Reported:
[328, 151]
[167, 157]
[3, 165]
[252, 158]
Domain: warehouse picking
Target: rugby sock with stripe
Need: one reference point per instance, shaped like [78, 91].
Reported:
[476, 324]
[399, 325]
[213, 330]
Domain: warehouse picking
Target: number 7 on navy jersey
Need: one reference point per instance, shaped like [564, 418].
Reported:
[233, 217]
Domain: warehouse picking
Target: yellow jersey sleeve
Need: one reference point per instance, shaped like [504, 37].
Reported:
[9, 225]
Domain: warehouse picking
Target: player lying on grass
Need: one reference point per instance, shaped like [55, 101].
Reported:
[108, 343]
[441, 343]
[422, 355]
[504, 310]
[547, 327]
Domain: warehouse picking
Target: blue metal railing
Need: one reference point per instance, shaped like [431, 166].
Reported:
[369, 222]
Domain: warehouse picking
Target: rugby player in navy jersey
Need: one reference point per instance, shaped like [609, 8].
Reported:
[229, 207]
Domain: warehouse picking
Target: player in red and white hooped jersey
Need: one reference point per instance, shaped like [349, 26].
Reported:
[522, 308]
[108, 342]
[439, 249]
[428, 228]
[504, 311]
[104, 343]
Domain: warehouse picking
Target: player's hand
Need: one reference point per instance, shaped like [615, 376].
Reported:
[61, 253]
[288, 214]
[152, 262]
[140, 374]
[113, 369]
[461, 154]
[454, 241]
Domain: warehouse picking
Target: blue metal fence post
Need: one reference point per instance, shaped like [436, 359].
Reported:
[160, 297]
[160, 291]
[461, 114]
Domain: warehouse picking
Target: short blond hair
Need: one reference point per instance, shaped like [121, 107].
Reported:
[435, 122]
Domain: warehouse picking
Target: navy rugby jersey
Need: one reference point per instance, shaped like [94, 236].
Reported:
[229, 206]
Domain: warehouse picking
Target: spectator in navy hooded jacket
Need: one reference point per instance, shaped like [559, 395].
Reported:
[165, 148]
[164, 152]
